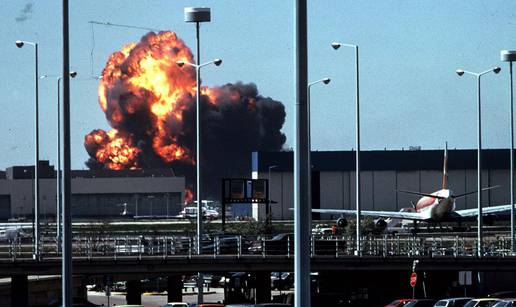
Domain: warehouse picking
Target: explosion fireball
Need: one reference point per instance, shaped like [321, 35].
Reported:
[149, 101]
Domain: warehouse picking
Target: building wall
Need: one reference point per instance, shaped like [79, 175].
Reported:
[96, 196]
[378, 189]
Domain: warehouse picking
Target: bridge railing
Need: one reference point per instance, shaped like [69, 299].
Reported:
[334, 246]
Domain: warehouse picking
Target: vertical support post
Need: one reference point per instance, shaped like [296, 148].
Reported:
[200, 278]
[479, 172]
[357, 160]
[223, 205]
[19, 291]
[36, 161]
[174, 288]
[302, 211]
[58, 173]
[134, 292]
[513, 244]
[67, 282]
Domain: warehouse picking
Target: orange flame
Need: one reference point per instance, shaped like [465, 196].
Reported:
[188, 195]
[150, 79]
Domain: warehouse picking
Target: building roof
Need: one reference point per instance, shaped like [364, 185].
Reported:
[47, 171]
[402, 160]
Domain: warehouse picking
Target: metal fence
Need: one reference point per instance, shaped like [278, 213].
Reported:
[263, 246]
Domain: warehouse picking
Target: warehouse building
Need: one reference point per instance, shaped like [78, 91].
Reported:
[95, 193]
[383, 172]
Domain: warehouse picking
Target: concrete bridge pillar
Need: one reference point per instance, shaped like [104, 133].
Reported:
[263, 286]
[19, 291]
[134, 292]
[175, 288]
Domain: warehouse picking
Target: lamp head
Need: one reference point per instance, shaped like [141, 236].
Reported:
[335, 45]
[460, 72]
[180, 63]
[496, 69]
[19, 43]
[326, 80]
[217, 62]
[73, 74]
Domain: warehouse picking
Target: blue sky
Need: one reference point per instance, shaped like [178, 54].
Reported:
[410, 49]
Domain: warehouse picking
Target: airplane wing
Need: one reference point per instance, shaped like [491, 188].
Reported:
[486, 210]
[383, 214]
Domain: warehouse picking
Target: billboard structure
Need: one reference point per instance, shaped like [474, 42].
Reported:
[242, 191]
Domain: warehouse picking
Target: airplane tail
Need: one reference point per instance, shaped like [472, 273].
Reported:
[445, 166]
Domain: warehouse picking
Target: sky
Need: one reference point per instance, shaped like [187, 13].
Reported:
[409, 51]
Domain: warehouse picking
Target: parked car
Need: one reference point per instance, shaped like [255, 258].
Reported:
[482, 302]
[399, 303]
[453, 302]
[282, 280]
[506, 303]
[175, 305]
[421, 303]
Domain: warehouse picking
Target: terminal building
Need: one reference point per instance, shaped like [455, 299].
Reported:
[95, 193]
[382, 173]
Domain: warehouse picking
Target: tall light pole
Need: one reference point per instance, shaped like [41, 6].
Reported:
[73, 74]
[461, 72]
[269, 191]
[309, 147]
[198, 67]
[510, 56]
[36, 248]
[337, 45]
[198, 15]
[302, 214]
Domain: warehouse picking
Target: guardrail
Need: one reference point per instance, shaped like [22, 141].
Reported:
[251, 246]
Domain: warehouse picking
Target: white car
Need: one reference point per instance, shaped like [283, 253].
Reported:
[482, 302]
[175, 305]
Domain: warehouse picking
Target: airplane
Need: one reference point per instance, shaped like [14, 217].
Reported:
[435, 207]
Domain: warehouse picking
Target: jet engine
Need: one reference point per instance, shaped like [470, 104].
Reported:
[342, 222]
[380, 225]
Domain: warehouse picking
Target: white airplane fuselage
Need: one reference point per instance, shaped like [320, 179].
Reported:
[436, 208]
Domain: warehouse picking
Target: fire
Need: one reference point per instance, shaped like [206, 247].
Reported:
[149, 102]
[113, 149]
[151, 83]
[188, 195]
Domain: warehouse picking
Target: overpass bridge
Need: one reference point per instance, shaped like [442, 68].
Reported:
[135, 257]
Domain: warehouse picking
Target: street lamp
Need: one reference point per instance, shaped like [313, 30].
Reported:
[510, 56]
[36, 248]
[461, 72]
[337, 45]
[198, 15]
[197, 67]
[73, 74]
[309, 188]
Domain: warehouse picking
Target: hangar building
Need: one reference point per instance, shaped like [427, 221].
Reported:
[95, 193]
[383, 172]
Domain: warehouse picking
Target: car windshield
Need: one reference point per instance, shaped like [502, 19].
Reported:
[442, 303]
[502, 304]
